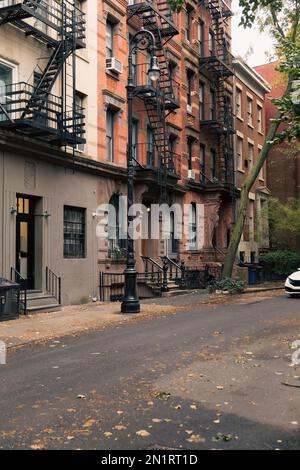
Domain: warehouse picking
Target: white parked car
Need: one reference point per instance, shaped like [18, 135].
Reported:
[292, 284]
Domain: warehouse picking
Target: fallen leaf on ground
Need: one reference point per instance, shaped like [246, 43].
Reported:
[89, 423]
[196, 439]
[143, 433]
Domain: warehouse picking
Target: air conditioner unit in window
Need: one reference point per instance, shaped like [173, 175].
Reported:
[191, 175]
[114, 65]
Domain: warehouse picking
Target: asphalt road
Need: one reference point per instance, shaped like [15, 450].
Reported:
[201, 378]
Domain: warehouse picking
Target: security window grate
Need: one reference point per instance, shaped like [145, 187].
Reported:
[74, 232]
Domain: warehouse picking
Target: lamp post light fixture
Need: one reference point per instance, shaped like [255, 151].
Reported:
[143, 40]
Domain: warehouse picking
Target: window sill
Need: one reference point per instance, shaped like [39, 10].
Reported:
[251, 126]
[241, 171]
[116, 76]
[240, 118]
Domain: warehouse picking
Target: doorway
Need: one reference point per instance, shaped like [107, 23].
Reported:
[25, 239]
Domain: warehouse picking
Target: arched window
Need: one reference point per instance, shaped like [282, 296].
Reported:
[192, 226]
[116, 238]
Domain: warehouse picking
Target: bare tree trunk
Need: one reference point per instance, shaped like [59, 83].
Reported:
[244, 199]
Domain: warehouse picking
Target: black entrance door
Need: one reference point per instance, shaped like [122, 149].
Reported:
[25, 239]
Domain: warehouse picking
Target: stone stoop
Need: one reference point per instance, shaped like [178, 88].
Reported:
[39, 301]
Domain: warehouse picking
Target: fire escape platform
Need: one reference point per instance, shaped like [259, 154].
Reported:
[46, 120]
[214, 65]
[168, 29]
[217, 127]
[16, 14]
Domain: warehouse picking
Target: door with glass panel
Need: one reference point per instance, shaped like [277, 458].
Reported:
[25, 239]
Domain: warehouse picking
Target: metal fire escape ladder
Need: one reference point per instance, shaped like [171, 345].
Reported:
[61, 27]
[219, 14]
[158, 20]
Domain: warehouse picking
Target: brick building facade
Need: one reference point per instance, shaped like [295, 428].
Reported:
[195, 52]
[63, 129]
[283, 161]
[250, 118]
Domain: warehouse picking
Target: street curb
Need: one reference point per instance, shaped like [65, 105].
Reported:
[251, 290]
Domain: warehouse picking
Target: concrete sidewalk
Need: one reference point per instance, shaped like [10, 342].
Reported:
[73, 320]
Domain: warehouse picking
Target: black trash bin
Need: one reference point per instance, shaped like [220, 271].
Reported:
[9, 300]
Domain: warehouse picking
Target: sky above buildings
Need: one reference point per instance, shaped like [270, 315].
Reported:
[257, 48]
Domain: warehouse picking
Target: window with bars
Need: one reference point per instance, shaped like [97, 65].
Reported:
[74, 232]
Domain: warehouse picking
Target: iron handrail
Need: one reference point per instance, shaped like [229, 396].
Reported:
[16, 277]
[53, 284]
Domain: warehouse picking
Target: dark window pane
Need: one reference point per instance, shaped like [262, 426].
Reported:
[74, 232]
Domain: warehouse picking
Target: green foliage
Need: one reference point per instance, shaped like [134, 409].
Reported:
[176, 5]
[284, 221]
[233, 286]
[281, 263]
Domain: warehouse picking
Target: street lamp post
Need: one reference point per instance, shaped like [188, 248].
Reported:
[142, 40]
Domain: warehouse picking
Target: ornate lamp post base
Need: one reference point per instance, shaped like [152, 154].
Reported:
[130, 302]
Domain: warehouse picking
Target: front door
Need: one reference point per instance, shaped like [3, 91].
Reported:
[25, 239]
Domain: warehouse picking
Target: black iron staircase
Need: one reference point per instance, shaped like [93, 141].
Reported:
[61, 27]
[156, 17]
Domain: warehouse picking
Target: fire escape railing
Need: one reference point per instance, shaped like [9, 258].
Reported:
[34, 109]
[160, 101]
[217, 65]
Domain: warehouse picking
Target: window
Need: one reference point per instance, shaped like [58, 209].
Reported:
[202, 163]
[259, 118]
[134, 64]
[116, 235]
[239, 153]
[135, 139]
[6, 74]
[213, 162]
[109, 39]
[201, 37]
[201, 101]
[74, 232]
[110, 118]
[239, 103]
[212, 105]
[250, 156]
[79, 105]
[188, 23]
[211, 43]
[172, 69]
[150, 147]
[250, 111]
[242, 256]
[190, 152]
[189, 90]
[192, 226]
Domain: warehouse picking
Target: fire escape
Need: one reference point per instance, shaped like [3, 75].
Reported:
[33, 109]
[216, 64]
[163, 99]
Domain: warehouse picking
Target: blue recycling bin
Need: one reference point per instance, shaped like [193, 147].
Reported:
[252, 275]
